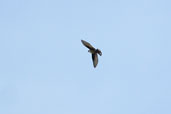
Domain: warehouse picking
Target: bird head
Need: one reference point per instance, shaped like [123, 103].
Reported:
[99, 52]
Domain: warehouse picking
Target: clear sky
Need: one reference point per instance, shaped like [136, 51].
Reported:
[44, 68]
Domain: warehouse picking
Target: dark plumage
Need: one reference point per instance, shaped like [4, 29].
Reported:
[93, 51]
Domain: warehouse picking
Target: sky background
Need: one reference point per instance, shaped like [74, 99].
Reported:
[45, 69]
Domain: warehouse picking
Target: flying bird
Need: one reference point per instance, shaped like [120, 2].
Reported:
[93, 51]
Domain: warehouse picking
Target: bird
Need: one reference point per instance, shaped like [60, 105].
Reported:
[93, 51]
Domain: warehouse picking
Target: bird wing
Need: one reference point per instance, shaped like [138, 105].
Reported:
[95, 59]
[88, 45]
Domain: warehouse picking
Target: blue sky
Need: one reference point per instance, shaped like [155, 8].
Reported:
[44, 68]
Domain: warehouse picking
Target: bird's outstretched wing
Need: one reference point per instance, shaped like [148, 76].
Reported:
[95, 59]
[88, 45]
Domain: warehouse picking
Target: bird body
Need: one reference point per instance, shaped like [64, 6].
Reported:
[93, 51]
